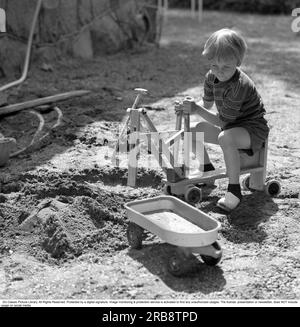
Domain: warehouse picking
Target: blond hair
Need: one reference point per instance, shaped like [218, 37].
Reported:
[225, 43]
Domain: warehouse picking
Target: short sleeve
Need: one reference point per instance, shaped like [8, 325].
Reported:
[208, 88]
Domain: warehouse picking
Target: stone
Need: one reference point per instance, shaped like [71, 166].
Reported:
[82, 47]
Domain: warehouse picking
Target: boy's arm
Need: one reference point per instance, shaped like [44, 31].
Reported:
[209, 116]
[208, 104]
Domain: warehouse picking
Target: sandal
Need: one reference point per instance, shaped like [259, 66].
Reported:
[229, 202]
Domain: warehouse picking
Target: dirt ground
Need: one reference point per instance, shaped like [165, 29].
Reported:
[62, 217]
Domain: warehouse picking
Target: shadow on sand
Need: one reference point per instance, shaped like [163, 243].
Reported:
[200, 278]
[244, 224]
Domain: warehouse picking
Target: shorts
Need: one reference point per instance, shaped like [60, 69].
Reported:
[258, 130]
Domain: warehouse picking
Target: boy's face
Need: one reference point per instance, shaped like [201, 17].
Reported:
[223, 69]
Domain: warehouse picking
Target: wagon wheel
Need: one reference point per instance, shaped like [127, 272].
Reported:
[246, 183]
[167, 189]
[135, 235]
[193, 195]
[272, 188]
[178, 263]
[211, 261]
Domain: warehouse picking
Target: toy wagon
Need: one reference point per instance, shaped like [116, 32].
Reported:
[176, 222]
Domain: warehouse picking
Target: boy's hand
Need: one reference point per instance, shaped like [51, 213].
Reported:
[189, 105]
[178, 107]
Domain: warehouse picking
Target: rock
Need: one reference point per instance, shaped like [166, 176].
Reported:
[17, 278]
[82, 46]
[46, 67]
[35, 217]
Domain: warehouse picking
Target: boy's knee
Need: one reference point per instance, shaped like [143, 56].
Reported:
[225, 139]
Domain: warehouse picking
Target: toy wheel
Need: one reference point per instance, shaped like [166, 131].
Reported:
[167, 189]
[193, 195]
[178, 264]
[246, 183]
[272, 188]
[211, 261]
[135, 235]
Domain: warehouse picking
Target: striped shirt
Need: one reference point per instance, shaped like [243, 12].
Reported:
[237, 99]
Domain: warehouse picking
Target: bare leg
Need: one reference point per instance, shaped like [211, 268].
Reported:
[231, 140]
[211, 133]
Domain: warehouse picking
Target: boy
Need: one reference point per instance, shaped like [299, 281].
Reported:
[239, 123]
